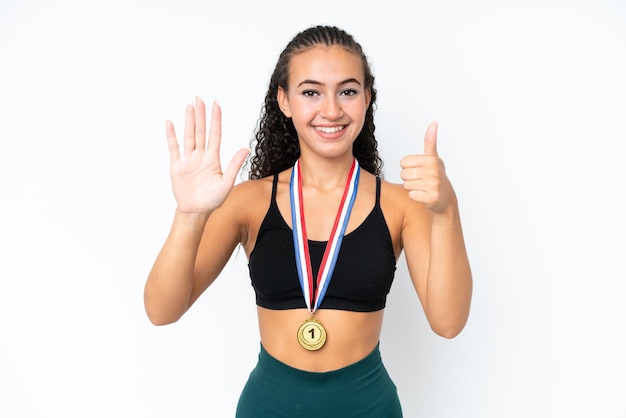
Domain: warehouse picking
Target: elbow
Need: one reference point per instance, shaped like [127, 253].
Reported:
[448, 332]
[449, 329]
[160, 321]
[159, 318]
[159, 312]
[446, 321]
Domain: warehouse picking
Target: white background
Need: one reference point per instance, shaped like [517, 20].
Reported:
[531, 101]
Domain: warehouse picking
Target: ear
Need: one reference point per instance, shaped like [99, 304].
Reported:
[283, 102]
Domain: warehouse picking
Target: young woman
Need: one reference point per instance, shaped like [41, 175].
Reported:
[321, 230]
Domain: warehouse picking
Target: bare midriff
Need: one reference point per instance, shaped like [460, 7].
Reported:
[351, 336]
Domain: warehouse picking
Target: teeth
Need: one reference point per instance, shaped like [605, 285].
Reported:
[329, 130]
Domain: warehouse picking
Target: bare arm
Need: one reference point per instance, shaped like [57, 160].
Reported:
[433, 241]
[178, 275]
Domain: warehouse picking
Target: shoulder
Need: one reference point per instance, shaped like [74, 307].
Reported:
[252, 187]
[392, 189]
[243, 208]
[248, 191]
[396, 196]
[403, 214]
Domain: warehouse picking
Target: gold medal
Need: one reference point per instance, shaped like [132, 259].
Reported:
[311, 334]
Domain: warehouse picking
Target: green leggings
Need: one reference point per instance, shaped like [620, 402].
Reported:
[363, 390]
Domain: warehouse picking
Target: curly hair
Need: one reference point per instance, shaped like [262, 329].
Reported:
[277, 147]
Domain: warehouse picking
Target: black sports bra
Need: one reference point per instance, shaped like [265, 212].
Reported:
[363, 273]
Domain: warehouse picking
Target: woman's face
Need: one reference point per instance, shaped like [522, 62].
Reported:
[326, 99]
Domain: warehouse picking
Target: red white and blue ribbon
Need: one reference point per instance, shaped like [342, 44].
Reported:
[300, 241]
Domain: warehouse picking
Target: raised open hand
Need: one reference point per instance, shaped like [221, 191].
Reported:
[198, 182]
[425, 176]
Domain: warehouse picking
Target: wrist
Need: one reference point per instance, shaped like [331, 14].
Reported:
[449, 215]
[191, 218]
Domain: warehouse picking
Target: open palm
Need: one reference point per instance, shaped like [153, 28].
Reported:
[198, 182]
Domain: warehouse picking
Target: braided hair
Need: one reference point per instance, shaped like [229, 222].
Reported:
[275, 141]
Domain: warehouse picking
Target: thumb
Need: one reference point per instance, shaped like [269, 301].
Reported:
[235, 165]
[430, 139]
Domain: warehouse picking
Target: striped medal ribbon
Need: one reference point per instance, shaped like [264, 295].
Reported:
[311, 334]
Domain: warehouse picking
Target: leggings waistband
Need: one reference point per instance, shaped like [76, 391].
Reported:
[370, 363]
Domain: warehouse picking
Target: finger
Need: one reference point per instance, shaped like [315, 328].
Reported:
[430, 140]
[412, 161]
[411, 173]
[190, 122]
[200, 123]
[215, 130]
[172, 143]
[235, 165]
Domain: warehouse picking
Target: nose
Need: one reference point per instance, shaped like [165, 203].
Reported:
[331, 108]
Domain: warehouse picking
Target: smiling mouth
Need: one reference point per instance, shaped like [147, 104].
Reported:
[330, 129]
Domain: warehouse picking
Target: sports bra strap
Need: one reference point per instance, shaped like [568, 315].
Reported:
[274, 187]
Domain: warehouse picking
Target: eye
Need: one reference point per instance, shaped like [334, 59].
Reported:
[348, 92]
[310, 93]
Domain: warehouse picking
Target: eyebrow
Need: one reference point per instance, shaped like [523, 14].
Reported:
[349, 80]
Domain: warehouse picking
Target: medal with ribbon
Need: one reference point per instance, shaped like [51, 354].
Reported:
[311, 334]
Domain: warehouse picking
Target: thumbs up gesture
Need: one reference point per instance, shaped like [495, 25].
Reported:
[425, 176]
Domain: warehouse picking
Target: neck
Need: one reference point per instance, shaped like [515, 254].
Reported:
[324, 173]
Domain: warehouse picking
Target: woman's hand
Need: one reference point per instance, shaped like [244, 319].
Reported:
[425, 176]
[198, 182]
